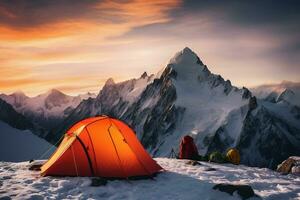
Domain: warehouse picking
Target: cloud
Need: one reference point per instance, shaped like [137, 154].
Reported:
[59, 37]
[31, 19]
[22, 14]
[51, 42]
[229, 40]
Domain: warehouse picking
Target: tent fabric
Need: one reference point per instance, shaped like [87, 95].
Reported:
[188, 149]
[100, 146]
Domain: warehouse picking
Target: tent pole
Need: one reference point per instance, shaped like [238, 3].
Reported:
[117, 151]
[87, 155]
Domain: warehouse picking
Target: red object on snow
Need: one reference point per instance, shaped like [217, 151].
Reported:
[187, 149]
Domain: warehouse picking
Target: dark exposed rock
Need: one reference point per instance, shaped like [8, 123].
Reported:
[36, 167]
[144, 75]
[245, 191]
[270, 143]
[295, 110]
[246, 93]
[13, 118]
[98, 182]
[227, 87]
[169, 72]
[17, 120]
[193, 162]
[252, 103]
[210, 169]
[285, 94]
[286, 166]
[199, 61]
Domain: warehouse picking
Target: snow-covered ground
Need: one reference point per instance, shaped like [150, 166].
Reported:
[180, 181]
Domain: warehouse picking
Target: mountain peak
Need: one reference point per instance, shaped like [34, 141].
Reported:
[187, 66]
[110, 81]
[19, 93]
[187, 50]
[144, 75]
[186, 56]
[54, 91]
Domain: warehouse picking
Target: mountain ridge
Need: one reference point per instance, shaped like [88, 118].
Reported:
[47, 109]
[186, 98]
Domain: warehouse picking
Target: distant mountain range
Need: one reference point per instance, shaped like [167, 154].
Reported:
[286, 91]
[47, 109]
[185, 98]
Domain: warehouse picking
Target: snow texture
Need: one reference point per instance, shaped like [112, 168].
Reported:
[180, 181]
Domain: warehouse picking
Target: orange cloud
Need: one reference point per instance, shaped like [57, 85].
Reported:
[25, 50]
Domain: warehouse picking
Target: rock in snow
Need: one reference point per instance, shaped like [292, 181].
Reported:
[290, 165]
[180, 181]
[244, 191]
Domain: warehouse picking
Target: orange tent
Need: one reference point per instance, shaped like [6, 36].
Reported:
[100, 146]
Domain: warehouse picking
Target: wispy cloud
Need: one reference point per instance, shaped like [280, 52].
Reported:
[73, 44]
[39, 35]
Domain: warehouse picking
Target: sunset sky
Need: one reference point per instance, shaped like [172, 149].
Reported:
[75, 45]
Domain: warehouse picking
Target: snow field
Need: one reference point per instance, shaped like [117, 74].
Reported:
[180, 181]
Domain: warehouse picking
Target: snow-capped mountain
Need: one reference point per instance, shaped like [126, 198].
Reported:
[46, 109]
[18, 143]
[13, 118]
[22, 145]
[16, 120]
[186, 98]
[114, 99]
[286, 91]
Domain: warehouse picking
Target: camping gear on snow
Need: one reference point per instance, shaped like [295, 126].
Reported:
[290, 165]
[217, 157]
[233, 156]
[103, 147]
[188, 149]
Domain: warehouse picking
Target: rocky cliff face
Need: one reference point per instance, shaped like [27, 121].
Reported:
[114, 100]
[188, 99]
[16, 120]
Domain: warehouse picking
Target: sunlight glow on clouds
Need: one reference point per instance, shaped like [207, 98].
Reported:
[76, 45]
[27, 52]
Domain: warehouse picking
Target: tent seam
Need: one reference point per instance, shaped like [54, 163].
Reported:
[132, 150]
[87, 154]
[92, 147]
[121, 165]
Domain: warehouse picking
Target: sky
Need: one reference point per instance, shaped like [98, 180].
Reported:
[76, 45]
